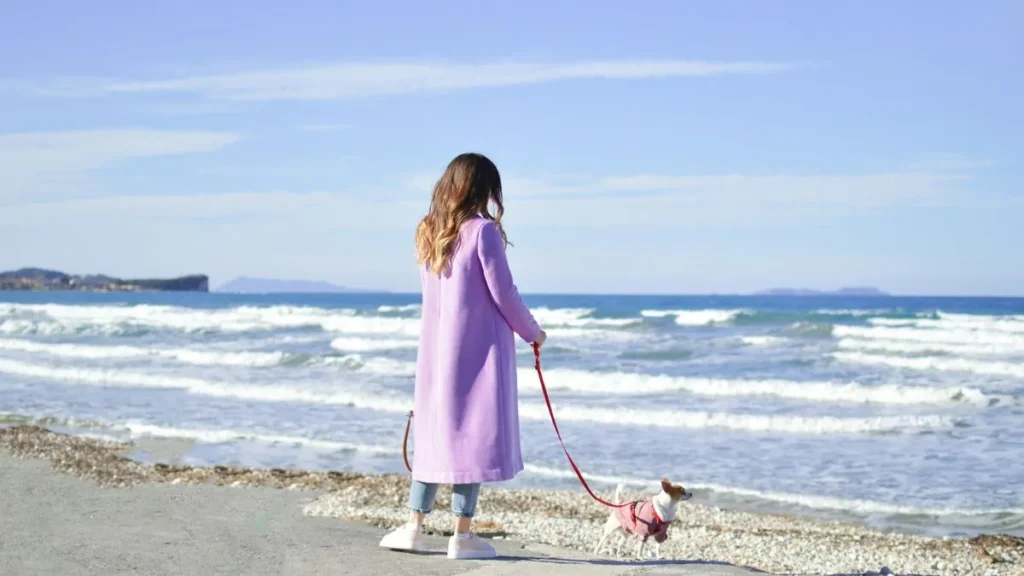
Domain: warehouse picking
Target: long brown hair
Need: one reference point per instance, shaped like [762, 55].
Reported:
[469, 184]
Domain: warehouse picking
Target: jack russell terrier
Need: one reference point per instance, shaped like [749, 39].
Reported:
[645, 518]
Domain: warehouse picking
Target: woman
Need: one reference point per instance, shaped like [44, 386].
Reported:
[466, 428]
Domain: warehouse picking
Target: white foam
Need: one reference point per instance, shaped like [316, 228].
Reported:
[695, 317]
[740, 422]
[911, 347]
[62, 319]
[591, 334]
[399, 309]
[311, 392]
[1009, 342]
[1011, 369]
[763, 340]
[218, 436]
[188, 356]
[577, 318]
[373, 365]
[963, 322]
[853, 312]
[815, 502]
[372, 344]
[631, 384]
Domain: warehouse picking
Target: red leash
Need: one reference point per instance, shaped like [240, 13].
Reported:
[551, 412]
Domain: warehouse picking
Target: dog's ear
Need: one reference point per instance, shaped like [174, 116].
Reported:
[665, 484]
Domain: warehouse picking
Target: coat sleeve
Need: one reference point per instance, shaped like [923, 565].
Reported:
[491, 250]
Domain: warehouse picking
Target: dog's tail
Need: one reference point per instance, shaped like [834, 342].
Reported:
[618, 494]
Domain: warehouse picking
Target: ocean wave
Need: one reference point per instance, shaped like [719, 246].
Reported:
[373, 365]
[407, 308]
[396, 403]
[806, 329]
[738, 422]
[811, 501]
[695, 317]
[52, 319]
[57, 319]
[314, 394]
[1011, 342]
[965, 322]
[594, 334]
[1011, 369]
[910, 347]
[188, 356]
[217, 436]
[856, 312]
[372, 345]
[578, 318]
[762, 340]
[621, 383]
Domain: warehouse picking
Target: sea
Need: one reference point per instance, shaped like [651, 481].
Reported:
[899, 413]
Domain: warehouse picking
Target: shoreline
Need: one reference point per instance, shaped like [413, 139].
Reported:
[566, 520]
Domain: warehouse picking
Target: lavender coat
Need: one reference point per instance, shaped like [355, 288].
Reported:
[466, 428]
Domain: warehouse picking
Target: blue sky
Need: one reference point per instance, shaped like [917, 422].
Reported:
[654, 147]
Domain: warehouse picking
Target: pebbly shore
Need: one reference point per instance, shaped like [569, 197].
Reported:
[777, 544]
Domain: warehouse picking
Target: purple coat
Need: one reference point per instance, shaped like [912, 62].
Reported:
[466, 428]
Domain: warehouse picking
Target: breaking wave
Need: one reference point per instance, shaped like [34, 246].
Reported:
[217, 436]
[620, 383]
[1011, 369]
[401, 404]
[188, 356]
[695, 317]
[1007, 341]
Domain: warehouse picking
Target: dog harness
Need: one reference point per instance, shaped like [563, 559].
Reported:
[641, 520]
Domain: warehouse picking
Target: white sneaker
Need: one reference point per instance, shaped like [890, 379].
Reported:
[469, 546]
[408, 537]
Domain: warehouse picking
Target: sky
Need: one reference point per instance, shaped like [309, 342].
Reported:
[647, 147]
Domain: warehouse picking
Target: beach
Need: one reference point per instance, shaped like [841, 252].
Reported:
[84, 505]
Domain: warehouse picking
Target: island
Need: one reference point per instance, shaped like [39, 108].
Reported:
[41, 280]
[855, 291]
[249, 285]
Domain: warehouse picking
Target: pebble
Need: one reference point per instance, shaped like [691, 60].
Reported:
[779, 544]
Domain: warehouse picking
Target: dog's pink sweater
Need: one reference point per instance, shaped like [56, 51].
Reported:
[641, 520]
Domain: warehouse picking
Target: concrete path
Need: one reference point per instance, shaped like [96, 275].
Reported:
[51, 523]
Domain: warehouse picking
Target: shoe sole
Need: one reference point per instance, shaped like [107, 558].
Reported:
[471, 555]
[418, 547]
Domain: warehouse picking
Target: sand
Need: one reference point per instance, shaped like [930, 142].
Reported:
[74, 505]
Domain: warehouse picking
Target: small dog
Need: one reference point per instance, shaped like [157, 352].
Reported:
[645, 518]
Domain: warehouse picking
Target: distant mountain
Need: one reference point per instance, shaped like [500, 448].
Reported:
[246, 285]
[41, 280]
[854, 291]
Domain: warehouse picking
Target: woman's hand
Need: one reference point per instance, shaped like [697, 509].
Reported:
[541, 339]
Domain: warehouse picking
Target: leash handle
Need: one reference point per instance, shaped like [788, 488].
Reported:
[405, 443]
[551, 412]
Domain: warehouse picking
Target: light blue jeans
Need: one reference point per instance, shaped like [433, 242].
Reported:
[421, 498]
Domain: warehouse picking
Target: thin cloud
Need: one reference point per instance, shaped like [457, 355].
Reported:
[36, 164]
[838, 190]
[349, 80]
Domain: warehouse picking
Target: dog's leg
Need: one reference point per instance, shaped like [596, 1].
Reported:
[610, 527]
[640, 549]
[618, 548]
[657, 550]
[604, 538]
